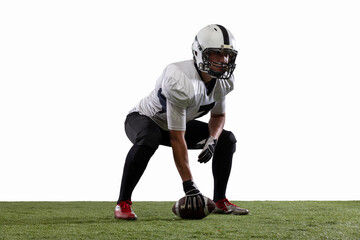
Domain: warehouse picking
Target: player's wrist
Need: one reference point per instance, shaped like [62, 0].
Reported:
[213, 140]
[213, 137]
[190, 187]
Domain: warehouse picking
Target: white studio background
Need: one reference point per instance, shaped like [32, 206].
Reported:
[71, 70]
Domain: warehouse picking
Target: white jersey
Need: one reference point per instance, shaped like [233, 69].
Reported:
[180, 96]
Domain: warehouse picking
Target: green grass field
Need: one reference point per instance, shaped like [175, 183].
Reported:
[94, 220]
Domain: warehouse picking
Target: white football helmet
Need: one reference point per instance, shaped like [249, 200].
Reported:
[214, 38]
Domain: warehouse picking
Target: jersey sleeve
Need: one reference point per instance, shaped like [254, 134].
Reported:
[176, 117]
[176, 92]
[179, 94]
[177, 99]
[219, 107]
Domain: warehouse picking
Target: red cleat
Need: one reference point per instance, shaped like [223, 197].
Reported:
[123, 211]
[223, 206]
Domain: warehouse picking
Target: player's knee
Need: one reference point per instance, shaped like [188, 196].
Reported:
[227, 137]
[152, 142]
[227, 140]
[150, 136]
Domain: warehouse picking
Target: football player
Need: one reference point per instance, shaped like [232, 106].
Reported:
[185, 91]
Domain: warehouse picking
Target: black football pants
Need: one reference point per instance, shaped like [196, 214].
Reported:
[146, 137]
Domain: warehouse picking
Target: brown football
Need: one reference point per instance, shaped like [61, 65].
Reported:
[180, 210]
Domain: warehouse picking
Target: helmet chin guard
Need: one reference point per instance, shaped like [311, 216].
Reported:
[214, 39]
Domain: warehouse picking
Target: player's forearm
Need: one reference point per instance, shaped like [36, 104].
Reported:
[180, 153]
[216, 125]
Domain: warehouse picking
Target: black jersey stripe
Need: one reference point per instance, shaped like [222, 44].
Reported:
[225, 34]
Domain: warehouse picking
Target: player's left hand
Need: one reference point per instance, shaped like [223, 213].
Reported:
[208, 146]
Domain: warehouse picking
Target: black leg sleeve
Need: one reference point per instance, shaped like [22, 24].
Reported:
[222, 162]
[135, 165]
[146, 137]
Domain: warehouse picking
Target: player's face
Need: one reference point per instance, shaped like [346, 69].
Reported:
[217, 59]
[219, 56]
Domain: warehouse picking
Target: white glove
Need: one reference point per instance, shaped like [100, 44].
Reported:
[208, 146]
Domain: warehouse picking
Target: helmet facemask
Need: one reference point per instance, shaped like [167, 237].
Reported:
[219, 69]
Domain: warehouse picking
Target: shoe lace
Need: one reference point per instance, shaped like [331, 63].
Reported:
[125, 206]
[227, 201]
[221, 203]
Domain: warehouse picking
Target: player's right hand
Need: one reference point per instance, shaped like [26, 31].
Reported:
[194, 198]
[194, 202]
